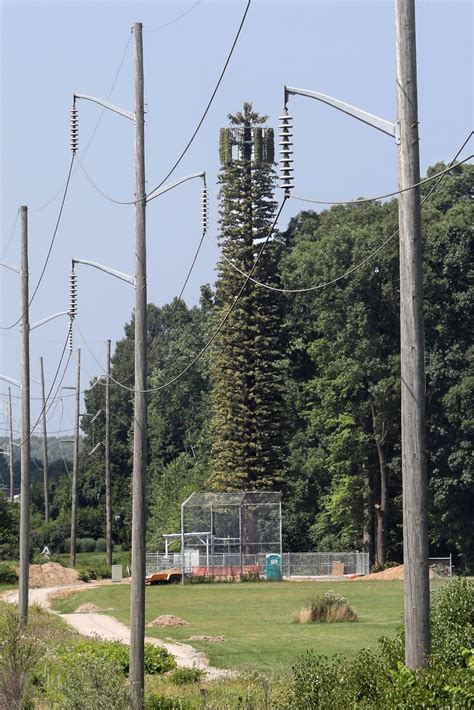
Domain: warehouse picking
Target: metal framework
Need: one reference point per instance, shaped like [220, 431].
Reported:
[223, 533]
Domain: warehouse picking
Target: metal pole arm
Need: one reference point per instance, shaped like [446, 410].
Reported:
[391, 129]
[105, 104]
[12, 267]
[107, 269]
[9, 379]
[165, 188]
[45, 320]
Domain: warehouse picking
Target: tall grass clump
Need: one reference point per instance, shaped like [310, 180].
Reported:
[328, 608]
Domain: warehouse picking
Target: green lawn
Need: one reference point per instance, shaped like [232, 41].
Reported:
[256, 618]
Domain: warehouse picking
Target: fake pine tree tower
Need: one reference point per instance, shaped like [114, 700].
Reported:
[247, 362]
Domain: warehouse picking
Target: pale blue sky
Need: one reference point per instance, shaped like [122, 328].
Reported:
[52, 49]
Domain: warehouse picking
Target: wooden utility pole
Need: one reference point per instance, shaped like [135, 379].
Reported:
[108, 505]
[137, 617]
[75, 463]
[415, 525]
[45, 448]
[25, 425]
[10, 442]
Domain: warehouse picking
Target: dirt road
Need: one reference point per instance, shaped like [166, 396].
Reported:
[110, 629]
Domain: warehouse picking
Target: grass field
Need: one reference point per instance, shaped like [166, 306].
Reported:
[256, 618]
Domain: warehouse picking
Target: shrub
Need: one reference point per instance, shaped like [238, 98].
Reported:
[91, 681]
[86, 574]
[85, 544]
[155, 701]
[325, 608]
[20, 651]
[8, 573]
[452, 621]
[101, 544]
[157, 659]
[182, 676]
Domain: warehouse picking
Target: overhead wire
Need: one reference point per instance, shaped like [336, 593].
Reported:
[381, 197]
[206, 110]
[357, 266]
[216, 331]
[94, 131]
[11, 234]
[53, 239]
[191, 140]
[176, 19]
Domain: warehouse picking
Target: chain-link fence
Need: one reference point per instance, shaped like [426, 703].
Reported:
[233, 565]
[442, 566]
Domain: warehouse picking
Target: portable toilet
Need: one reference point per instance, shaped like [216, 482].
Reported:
[273, 567]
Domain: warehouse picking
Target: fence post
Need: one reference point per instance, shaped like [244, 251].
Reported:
[289, 566]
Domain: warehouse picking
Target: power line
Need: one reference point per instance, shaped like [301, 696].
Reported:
[117, 73]
[325, 284]
[50, 247]
[11, 234]
[382, 197]
[171, 22]
[45, 406]
[189, 143]
[216, 332]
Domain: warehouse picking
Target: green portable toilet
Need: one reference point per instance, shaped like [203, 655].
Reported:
[273, 567]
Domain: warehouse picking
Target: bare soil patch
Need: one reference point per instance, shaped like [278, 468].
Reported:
[88, 608]
[206, 638]
[168, 620]
[390, 574]
[52, 574]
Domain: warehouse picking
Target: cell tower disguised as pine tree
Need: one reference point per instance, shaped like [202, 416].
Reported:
[247, 362]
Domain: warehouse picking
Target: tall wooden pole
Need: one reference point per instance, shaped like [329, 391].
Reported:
[108, 505]
[25, 426]
[137, 617]
[45, 448]
[75, 463]
[10, 442]
[415, 525]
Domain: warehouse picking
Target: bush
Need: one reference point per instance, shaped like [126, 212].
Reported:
[157, 659]
[86, 573]
[20, 651]
[325, 608]
[452, 621]
[182, 676]
[88, 680]
[155, 701]
[85, 544]
[101, 545]
[8, 573]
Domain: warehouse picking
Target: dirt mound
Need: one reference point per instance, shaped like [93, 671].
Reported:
[52, 574]
[88, 608]
[390, 574]
[206, 638]
[168, 620]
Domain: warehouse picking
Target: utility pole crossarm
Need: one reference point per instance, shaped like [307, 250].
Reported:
[391, 129]
[48, 318]
[12, 267]
[172, 185]
[105, 104]
[107, 269]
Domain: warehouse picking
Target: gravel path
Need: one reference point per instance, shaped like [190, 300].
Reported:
[108, 628]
